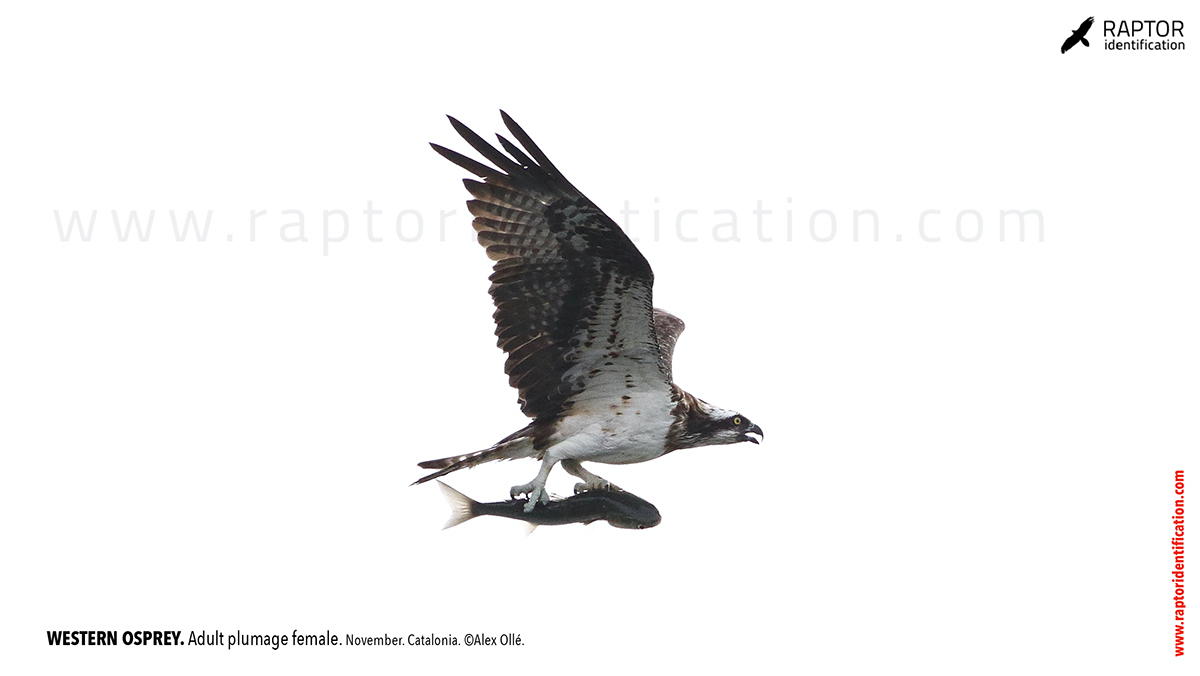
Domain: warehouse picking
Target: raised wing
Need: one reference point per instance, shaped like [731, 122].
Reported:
[667, 328]
[1086, 26]
[572, 292]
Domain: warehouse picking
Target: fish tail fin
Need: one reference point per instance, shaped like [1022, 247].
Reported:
[462, 508]
[1085, 42]
[515, 446]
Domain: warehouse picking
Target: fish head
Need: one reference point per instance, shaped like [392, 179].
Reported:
[629, 511]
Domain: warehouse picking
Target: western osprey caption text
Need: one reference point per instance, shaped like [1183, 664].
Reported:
[240, 639]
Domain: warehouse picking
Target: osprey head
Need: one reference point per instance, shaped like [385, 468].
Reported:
[716, 427]
[736, 428]
[698, 423]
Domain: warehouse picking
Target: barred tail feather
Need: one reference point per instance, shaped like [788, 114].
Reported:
[462, 508]
[509, 449]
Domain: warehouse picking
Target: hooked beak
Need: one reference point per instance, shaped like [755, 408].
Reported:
[754, 429]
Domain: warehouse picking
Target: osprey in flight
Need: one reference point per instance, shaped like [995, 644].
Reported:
[587, 350]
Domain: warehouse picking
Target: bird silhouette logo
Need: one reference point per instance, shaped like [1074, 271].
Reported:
[1078, 35]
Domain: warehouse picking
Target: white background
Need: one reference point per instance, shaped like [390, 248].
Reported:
[969, 449]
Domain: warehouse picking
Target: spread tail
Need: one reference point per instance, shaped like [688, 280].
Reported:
[1085, 42]
[462, 508]
[518, 445]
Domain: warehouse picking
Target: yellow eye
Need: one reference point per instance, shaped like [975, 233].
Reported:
[737, 421]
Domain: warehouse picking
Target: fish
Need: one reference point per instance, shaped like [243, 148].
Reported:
[619, 508]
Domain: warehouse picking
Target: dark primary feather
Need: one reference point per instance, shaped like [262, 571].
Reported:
[572, 292]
